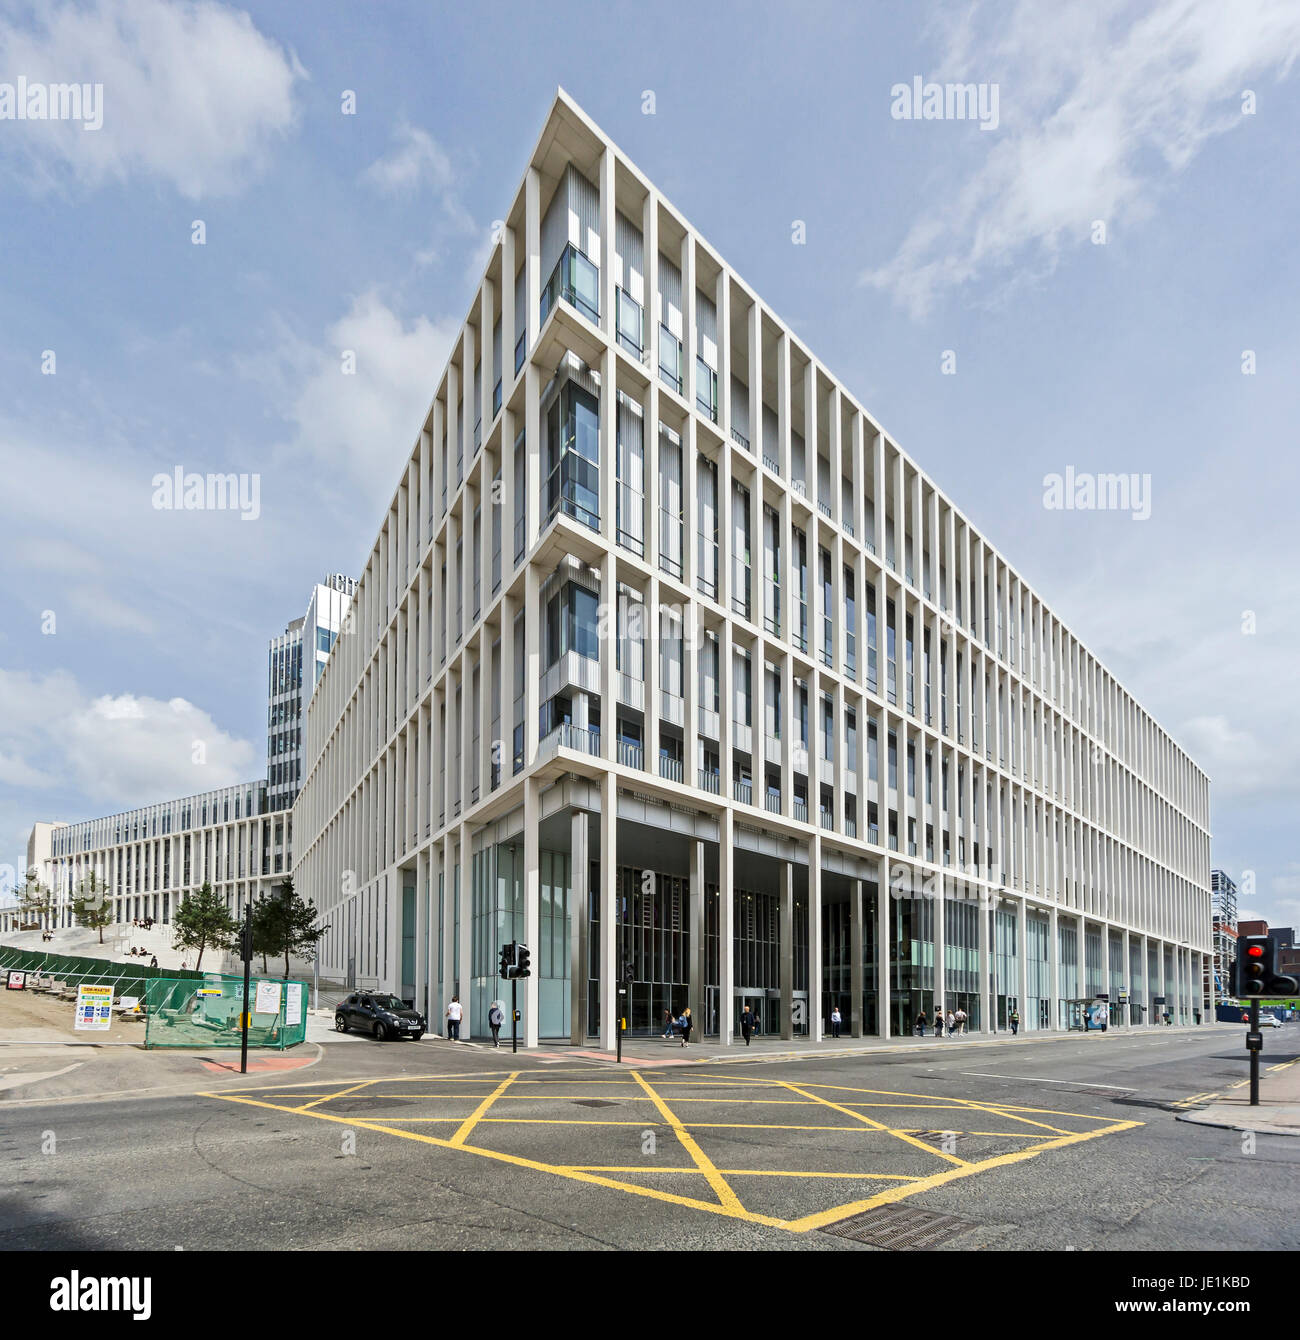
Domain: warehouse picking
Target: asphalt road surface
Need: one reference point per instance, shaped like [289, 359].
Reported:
[1070, 1143]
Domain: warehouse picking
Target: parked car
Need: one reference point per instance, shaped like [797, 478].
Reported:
[382, 1015]
[1269, 1021]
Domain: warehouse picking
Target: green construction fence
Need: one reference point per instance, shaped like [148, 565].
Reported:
[208, 1012]
[126, 979]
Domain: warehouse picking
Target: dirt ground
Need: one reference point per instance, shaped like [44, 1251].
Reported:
[28, 1017]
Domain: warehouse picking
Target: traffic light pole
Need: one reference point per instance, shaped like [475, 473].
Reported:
[1254, 1054]
[514, 1014]
[246, 947]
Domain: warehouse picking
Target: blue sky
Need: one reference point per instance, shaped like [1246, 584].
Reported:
[1172, 123]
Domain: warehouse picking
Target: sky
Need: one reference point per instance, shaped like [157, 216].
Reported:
[1096, 272]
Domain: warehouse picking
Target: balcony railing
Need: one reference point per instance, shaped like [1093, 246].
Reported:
[744, 792]
[583, 740]
[708, 781]
[706, 390]
[740, 438]
[824, 508]
[670, 768]
[627, 320]
[577, 281]
[670, 358]
[631, 755]
[520, 350]
[801, 810]
[773, 801]
[771, 464]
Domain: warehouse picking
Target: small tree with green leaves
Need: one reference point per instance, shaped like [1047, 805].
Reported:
[202, 921]
[92, 906]
[35, 900]
[288, 924]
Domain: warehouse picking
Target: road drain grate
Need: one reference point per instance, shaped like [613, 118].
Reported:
[593, 1102]
[900, 1228]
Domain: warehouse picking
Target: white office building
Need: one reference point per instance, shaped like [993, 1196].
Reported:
[669, 660]
[238, 838]
[149, 858]
[294, 663]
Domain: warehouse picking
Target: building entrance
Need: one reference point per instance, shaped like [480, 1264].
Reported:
[766, 1008]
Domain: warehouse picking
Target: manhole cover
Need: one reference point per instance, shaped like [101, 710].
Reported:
[941, 1137]
[900, 1228]
[593, 1102]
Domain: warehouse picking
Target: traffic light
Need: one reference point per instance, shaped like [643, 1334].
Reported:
[1257, 973]
[508, 960]
[629, 970]
[523, 958]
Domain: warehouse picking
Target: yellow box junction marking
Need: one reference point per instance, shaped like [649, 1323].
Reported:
[841, 1099]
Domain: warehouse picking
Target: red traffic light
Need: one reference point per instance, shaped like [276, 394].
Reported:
[1256, 951]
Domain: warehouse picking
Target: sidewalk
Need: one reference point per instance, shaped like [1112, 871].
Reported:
[1278, 1112]
[660, 1051]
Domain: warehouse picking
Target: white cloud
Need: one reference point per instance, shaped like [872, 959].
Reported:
[193, 94]
[360, 427]
[118, 751]
[1098, 109]
[415, 158]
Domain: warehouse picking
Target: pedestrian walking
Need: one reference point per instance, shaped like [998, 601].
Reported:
[496, 1017]
[836, 1020]
[668, 1024]
[685, 1025]
[938, 1022]
[454, 1012]
[920, 1023]
[746, 1023]
[961, 1022]
[951, 1021]
[1015, 1022]
[153, 962]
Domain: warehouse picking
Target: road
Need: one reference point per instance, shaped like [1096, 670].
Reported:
[1072, 1142]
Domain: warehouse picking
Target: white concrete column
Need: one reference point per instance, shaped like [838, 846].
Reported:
[465, 861]
[608, 907]
[579, 887]
[532, 910]
[696, 985]
[533, 245]
[726, 923]
[1022, 962]
[856, 1021]
[816, 1020]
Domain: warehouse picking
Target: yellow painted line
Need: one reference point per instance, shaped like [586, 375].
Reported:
[593, 1179]
[825, 1217]
[962, 1102]
[972, 1106]
[479, 1112]
[879, 1126]
[329, 1097]
[748, 1172]
[726, 1196]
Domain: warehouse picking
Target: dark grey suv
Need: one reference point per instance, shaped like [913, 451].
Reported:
[382, 1015]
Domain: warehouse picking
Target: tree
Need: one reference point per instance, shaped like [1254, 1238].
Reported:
[288, 924]
[35, 900]
[92, 906]
[202, 920]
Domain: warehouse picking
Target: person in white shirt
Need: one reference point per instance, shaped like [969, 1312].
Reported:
[454, 1013]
